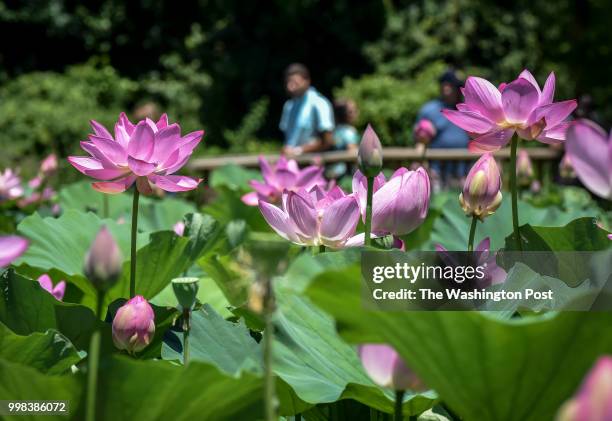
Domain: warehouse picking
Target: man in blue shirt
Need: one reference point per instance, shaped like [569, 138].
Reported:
[447, 135]
[307, 120]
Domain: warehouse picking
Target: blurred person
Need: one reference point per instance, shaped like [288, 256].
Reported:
[147, 109]
[345, 135]
[444, 134]
[307, 120]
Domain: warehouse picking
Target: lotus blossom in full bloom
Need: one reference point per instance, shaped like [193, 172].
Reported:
[399, 205]
[386, 368]
[284, 175]
[134, 325]
[47, 284]
[145, 153]
[593, 402]
[492, 115]
[10, 185]
[590, 151]
[314, 217]
[11, 247]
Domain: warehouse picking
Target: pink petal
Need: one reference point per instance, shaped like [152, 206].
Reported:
[174, 183]
[378, 361]
[167, 140]
[285, 179]
[111, 149]
[45, 282]
[266, 171]
[99, 129]
[309, 176]
[526, 74]
[549, 90]
[250, 199]
[11, 247]
[142, 142]
[554, 113]
[554, 135]
[162, 122]
[140, 168]
[339, 222]
[469, 121]
[126, 123]
[302, 214]
[482, 96]
[519, 99]
[114, 187]
[93, 150]
[589, 151]
[93, 168]
[484, 245]
[491, 141]
[59, 290]
[279, 221]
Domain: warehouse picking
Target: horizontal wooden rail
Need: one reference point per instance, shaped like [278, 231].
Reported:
[390, 155]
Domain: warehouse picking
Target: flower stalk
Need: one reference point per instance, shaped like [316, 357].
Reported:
[133, 243]
[186, 329]
[514, 193]
[472, 233]
[368, 221]
[399, 399]
[92, 365]
[269, 389]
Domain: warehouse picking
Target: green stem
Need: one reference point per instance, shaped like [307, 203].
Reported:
[186, 329]
[399, 400]
[368, 222]
[472, 233]
[105, 206]
[92, 369]
[321, 248]
[270, 398]
[514, 192]
[298, 417]
[133, 244]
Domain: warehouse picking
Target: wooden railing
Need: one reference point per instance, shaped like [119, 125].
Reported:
[391, 156]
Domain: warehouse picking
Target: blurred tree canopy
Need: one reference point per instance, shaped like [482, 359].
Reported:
[212, 63]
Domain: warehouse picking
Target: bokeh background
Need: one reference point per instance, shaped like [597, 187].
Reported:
[218, 65]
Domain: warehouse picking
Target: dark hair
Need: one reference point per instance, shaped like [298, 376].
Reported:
[297, 69]
[341, 111]
[450, 76]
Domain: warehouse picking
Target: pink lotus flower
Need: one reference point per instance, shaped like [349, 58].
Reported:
[524, 167]
[594, 400]
[566, 169]
[284, 175]
[48, 165]
[370, 153]
[590, 152]
[10, 185]
[179, 228]
[491, 115]
[47, 284]
[146, 153]
[314, 218]
[11, 247]
[481, 195]
[424, 131]
[134, 325]
[37, 197]
[484, 257]
[399, 205]
[386, 368]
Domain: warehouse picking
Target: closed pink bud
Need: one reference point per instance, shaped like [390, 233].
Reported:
[179, 228]
[424, 130]
[370, 157]
[566, 169]
[103, 261]
[481, 194]
[134, 325]
[387, 369]
[594, 400]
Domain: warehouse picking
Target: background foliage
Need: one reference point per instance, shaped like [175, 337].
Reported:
[212, 64]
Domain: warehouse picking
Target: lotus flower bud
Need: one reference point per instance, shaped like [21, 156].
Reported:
[594, 400]
[387, 369]
[185, 290]
[369, 157]
[481, 194]
[134, 325]
[103, 261]
[49, 165]
[424, 131]
[179, 228]
[524, 168]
